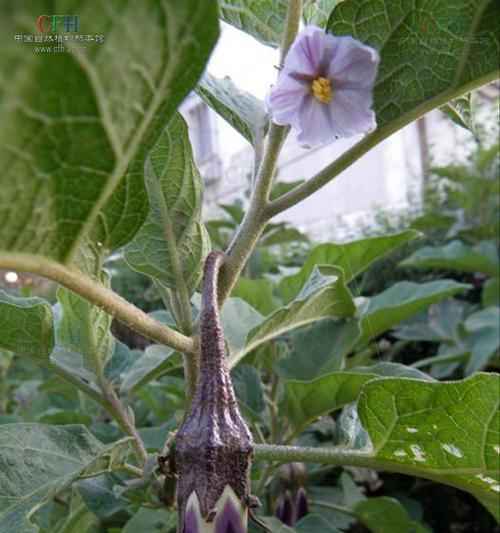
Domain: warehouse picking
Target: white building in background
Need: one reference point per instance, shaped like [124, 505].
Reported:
[388, 177]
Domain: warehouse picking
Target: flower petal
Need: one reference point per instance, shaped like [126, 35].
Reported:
[310, 53]
[316, 124]
[284, 100]
[353, 65]
[351, 113]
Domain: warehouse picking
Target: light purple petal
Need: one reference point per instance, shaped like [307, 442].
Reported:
[351, 68]
[316, 125]
[284, 100]
[354, 65]
[310, 53]
[351, 113]
[192, 517]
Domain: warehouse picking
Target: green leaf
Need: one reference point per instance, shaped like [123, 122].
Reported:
[84, 343]
[430, 53]
[256, 292]
[484, 337]
[97, 493]
[72, 151]
[26, 325]
[314, 524]
[172, 244]
[38, 461]
[325, 295]
[262, 19]
[155, 361]
[151, 521]
[457, 256]
[447, 431]
[304, 401]
[401, 301]
[460, 112]
[353, 257]
[374, 513]
[248, 387]
[318, 349]
[318, 11]
[442, 322]
[243, 111]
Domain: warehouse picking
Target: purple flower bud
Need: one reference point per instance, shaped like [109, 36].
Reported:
[324, 89]
[301, 505]
[285, 510]
[214, 446]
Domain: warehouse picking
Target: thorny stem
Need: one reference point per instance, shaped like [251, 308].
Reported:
[258, 215]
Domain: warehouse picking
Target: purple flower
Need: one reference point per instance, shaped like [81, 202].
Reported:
[324, 89]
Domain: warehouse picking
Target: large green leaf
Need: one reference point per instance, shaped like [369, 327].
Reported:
[401, 301]
[431, 52]
[263, 19]
[26, 325]
[446, 431]
[304, 401]
[173, 242]
[241, 109]
[325, 295]
[456, 255]
[72, 150]
[37, 461]
[353, 257]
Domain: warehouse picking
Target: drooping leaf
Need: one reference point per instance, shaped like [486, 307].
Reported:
[375, 512]
[484, 337]
[173, 242]
[37, 461]
[417, 71]
[325, 295]
[305, 401]
[262, 19]
[353, 257]
[243, 111]
[26, 325]
[456, 255]
[425, 428]
[459, 111]
[72, 151]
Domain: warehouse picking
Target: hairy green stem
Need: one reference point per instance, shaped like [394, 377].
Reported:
[100, 296]
[257, 215]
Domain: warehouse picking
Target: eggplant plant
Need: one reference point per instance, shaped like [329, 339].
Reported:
[250, 386]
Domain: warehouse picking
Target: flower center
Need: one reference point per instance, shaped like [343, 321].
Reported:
[322, 90]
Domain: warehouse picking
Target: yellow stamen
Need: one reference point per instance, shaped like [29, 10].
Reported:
[322, 90]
